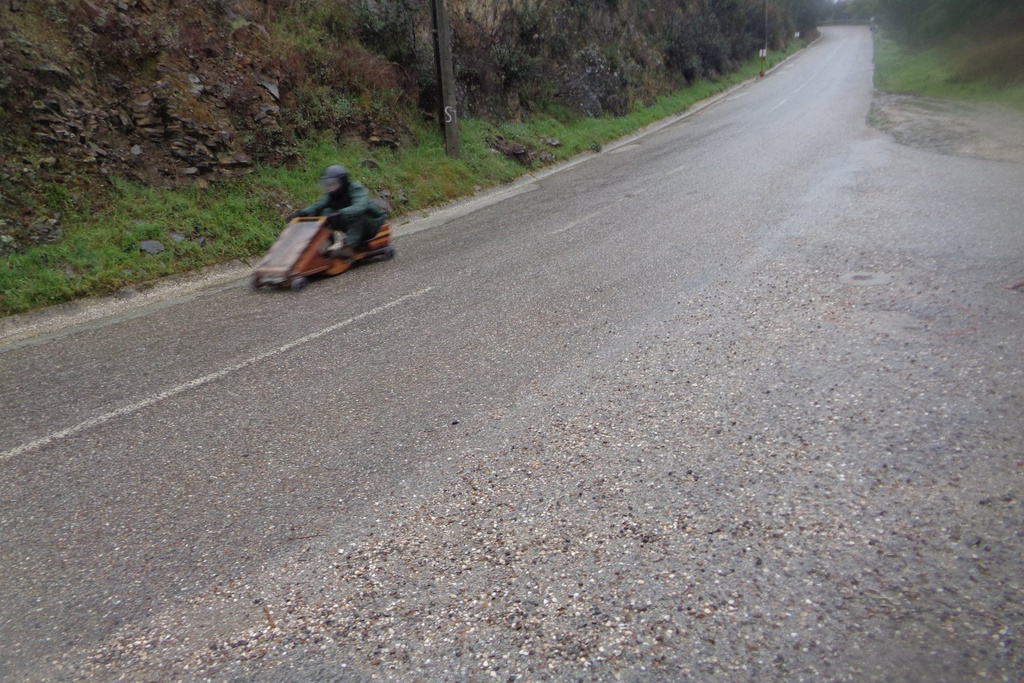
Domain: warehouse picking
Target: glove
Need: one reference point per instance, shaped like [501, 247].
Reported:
[293, 216]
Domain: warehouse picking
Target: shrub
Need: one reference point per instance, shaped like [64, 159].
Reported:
[998, 58]
[388, 27]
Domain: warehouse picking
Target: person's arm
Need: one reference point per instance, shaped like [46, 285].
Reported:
[360, 198]
[314, 209]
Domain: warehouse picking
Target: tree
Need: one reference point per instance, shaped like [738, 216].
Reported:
[931, 21]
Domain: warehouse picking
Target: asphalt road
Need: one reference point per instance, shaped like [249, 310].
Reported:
[740, 399]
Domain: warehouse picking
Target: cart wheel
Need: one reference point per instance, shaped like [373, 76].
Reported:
[257, 282]
[299, 283]
[389, 253]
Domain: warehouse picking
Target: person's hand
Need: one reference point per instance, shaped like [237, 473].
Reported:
[293, 216]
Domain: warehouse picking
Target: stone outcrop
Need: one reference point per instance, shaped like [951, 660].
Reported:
[162, 93]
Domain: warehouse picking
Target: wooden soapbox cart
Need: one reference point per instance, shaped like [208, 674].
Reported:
[303, 250]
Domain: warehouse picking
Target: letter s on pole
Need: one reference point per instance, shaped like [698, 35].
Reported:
[449, 114]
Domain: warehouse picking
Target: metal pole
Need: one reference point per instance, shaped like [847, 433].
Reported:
[764, 52]
[447, 111]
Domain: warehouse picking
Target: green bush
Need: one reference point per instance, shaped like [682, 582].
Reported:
[388, 27]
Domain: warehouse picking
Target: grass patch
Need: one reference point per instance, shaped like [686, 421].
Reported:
[99, 248]
[947, 72]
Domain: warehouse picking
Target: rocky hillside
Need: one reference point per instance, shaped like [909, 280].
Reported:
[170, 92]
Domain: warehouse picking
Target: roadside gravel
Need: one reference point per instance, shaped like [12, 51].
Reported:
[972, 129]
[716, 504]
[806, 469]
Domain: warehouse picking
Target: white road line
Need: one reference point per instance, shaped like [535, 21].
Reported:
[590, 216]
[778, 105]
[199, 381]
[822, 67]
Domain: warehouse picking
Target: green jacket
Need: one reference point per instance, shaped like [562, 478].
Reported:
[359, 215]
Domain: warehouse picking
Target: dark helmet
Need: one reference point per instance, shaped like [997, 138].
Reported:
[334, 179]
[335, 172]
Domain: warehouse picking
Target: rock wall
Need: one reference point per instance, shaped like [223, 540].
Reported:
[100, 84]
[165, 93]
[161, 93]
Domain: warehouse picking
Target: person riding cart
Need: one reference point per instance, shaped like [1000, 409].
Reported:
[349, 210]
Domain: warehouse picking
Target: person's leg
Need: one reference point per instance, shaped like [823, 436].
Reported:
[361, 231]
[355, 233]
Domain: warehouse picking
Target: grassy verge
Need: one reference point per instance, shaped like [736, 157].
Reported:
[946, 72]
[98, 252]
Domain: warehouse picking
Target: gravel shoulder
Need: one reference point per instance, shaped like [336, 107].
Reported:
[971, 129]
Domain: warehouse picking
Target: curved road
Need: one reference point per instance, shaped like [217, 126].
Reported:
[739, 399]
